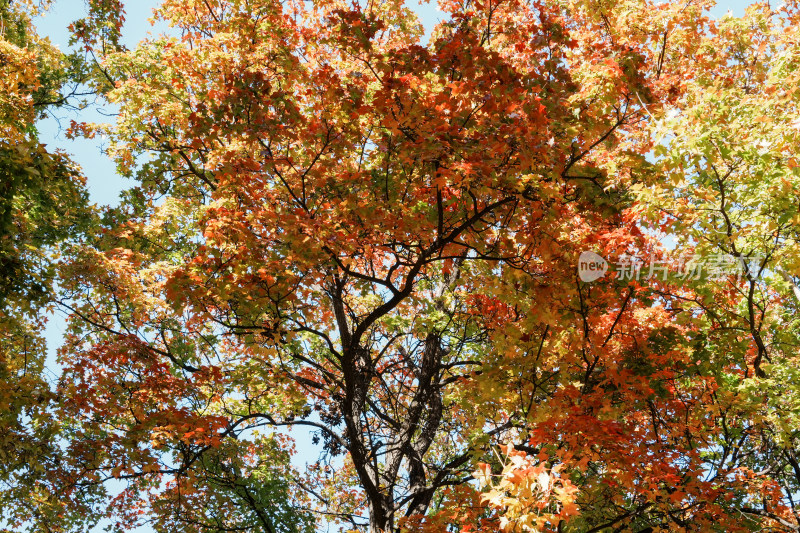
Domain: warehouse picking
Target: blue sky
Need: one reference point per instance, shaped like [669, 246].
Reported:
[103, 182]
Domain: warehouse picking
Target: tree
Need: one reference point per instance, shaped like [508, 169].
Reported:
[728, 189]
[341, 229]
[43, 202]
[723, 186]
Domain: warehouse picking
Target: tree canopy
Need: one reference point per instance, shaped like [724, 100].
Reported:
[345, 229]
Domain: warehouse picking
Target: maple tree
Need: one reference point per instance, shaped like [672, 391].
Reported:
[735, 153]
[341, 228]
[43, 202]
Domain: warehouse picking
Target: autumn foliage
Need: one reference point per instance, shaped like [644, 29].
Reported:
[351, 238]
